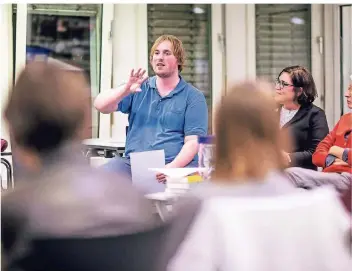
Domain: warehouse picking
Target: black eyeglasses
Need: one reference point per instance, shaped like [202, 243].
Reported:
[282, 84]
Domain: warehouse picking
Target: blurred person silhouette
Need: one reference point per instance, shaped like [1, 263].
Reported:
[249, 206]
[59, 194]
[306, 123]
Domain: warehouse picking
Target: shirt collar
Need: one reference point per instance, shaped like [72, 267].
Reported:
[180, 86]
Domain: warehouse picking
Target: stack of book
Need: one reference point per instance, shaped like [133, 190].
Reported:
[180, 185]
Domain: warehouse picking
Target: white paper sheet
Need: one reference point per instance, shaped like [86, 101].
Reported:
[142, 177]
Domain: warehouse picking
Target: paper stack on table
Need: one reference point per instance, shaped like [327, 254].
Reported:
[177, 181]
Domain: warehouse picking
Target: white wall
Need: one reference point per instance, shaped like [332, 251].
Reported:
[317, 53]
[331, 63]
[106, 65]
[218, 45]
[130, 51]
[240, 42]
[347, 51]
[6, 66]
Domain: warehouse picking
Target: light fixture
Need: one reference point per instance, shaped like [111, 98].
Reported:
[297, 20]
[198, 10]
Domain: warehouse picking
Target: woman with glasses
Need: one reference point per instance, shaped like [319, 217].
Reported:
[305, 122]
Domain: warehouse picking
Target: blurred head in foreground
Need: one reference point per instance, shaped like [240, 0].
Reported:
[47, 107]
[248, 138]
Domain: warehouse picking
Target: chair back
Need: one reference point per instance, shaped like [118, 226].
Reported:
[148, 250]
[135, 252]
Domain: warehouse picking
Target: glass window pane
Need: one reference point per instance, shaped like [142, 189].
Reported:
[70, 35]
[191, 24]
[283, 38]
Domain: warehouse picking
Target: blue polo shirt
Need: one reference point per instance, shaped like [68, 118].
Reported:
[157, 123]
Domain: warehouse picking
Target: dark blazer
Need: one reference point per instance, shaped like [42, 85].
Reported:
[307, 128]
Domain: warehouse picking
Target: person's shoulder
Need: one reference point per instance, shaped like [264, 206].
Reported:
[16, 201]
[345, 120]
[192, 89]
[346, 117]
[316, 109]
[193, 93]
[314, 112]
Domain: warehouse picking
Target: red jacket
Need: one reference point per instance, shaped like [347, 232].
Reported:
[335, 137]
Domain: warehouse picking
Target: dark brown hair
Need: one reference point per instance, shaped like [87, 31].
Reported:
[248, 138]
[177, 49]
[47, 106]
[302, 79]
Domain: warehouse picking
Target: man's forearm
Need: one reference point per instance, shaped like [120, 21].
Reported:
[186, 155]
[106, 102]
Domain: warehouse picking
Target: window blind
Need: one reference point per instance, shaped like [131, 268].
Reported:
[283, 38]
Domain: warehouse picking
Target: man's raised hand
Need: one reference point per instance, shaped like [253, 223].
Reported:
[135, 80]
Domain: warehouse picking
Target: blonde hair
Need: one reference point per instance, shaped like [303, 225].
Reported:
[177, 49]
[248, 138]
